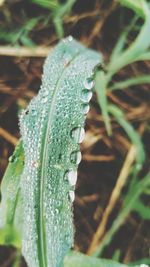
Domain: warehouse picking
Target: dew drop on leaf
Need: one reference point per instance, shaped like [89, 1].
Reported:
[71, 195]
[12, 159]
[85, 108]
[78, 134]
[76, 157]
[86, 96]
[71, 176]
[89, 83]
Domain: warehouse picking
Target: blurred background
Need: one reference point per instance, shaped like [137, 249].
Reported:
[111, 209]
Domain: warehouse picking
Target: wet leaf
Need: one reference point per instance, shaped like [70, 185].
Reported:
[51, 129]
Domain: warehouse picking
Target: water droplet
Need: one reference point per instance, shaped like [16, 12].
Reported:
[56, 211]
[44, 100]
[76, 157]
[89, 83]
[28, 217]
[35, 164]
[70, 38]
[85, 108]
[45, 93]
[78, 134]
[26, 111]
[71, 176]
[28, 178]
[12, 159]
[71, 195]
[86, 96]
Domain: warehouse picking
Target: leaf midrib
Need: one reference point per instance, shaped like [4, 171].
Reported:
[44, 160]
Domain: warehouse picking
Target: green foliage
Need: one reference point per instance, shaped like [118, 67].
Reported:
[130, 203]
[136, 6]
[101, 89]
[49, 4]
[77, 259]
[20, 35]
[51, 129]
[142, 210]
[40, 186]
[130, 82]
[58, 12]
[11, 202]
[133, 135]
[121, 57]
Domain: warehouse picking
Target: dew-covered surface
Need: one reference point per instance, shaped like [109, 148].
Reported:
[96, 24]
[51, 130]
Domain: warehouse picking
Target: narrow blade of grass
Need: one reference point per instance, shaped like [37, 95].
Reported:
[129, 204]
[131, 132]
[60, 12]
[122, 40]
[137, 47]
[49, 4]
[130, 82]
[136, 6]
[76, 259]
[142, 210]
[100, 88]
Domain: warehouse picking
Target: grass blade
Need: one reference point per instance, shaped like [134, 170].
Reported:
[137, 48]
[129, 203]
[52, 152]
[78, 259]
[133, 135]
[142, 210]
[100, 87]
[49, 4]
[130, 82]
[136, 6]
[11, 202]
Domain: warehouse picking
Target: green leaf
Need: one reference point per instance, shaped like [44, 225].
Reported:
[122, 40]
[49, 4]
[144, 56]
[131, 82]
[136, 6]
[11, 202]
[21, 33]
[131, 132]
[51, 129]
[58, 15]
[142, 210]
[130, 200]
[141, 261]
[136, 48]
[100, 87]
[76, 259]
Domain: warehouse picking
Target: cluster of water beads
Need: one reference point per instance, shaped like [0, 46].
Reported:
[77, 134]
[52, 223]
